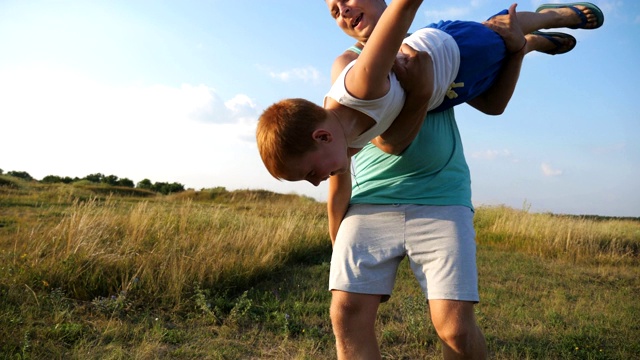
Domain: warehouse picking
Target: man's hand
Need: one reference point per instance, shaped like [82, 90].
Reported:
[414, 70]
[508, 27]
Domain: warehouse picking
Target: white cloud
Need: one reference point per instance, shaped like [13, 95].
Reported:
[307, 74]
[40, 93]
[547, 170]
[242, 109]
[454, 13]
[491, 154]
[613, 148]
[447, 14]
[73, 125]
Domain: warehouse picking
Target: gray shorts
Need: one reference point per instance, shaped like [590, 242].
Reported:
[439, 242]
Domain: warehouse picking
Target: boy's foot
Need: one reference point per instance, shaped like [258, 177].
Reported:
[552, 43]
[577, 15]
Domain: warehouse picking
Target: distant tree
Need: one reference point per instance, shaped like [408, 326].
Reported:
[166, 188]
[68, 180]
[1, 171]
[126, 183]
[20, 174]
[51, 179]
[95, 178]
[161, 187]
[145, 184]
[110, 180]
[176, 187]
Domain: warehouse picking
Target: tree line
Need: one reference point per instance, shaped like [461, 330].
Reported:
[98, 178]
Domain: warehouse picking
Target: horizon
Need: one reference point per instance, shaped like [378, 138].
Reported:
[524, 208]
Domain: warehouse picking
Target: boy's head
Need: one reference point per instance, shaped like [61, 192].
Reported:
[356, 18]
[285, 132]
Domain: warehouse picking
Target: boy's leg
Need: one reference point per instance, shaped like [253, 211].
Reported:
[552, 43]
[353, 318]
[553, 18]
[456, 326]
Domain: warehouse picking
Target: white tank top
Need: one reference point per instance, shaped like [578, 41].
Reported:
[446, 61]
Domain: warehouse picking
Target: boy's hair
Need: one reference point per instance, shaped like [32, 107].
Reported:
[285, 130]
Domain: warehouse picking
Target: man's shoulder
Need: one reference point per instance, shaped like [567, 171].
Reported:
[341, 62]
[346, 57]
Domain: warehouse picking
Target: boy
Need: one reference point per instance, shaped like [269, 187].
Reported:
[366, 99]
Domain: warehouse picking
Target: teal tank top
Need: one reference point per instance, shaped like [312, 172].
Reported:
[431, 171]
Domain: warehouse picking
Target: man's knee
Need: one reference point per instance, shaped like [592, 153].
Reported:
[459, 337]
[349, 309]
[456, 327]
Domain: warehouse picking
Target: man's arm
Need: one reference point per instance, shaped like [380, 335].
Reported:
[414, 70]
[415, 73]
[339, 185]
[495, 99]
[338, 202]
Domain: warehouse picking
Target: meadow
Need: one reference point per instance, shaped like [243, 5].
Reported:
[101, 272]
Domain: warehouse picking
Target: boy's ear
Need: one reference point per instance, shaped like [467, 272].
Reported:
[322, 136]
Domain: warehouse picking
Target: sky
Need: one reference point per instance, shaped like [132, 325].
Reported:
[171, 91]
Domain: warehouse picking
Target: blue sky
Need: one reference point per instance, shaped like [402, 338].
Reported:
[171, 91]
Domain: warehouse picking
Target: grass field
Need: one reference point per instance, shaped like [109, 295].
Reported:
[107, 273]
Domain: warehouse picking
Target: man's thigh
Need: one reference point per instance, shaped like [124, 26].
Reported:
[442, 251]
[368, 249]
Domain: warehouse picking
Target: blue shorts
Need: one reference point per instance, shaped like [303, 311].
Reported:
[439, 242]
[482, 52]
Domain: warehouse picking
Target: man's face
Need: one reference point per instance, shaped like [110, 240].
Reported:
[356, 18]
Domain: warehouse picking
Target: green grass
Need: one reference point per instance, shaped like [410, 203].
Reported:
[243, 275]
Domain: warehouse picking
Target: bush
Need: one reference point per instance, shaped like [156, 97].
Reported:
[20, 174]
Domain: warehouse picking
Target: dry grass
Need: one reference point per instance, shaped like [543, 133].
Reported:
[162, 247]
[565, 237]
[226, 275]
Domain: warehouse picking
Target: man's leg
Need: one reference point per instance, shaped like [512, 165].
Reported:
[457, 329]
[353, 317]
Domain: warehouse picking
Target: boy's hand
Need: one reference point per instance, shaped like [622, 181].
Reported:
[508, 27]
[414, 70]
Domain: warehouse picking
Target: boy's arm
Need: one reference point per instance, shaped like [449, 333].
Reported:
[495, 99]
[338, 202]
[415, 73]
[369, 77]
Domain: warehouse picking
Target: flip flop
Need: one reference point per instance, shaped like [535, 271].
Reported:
[553, 37]
[583, 18]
